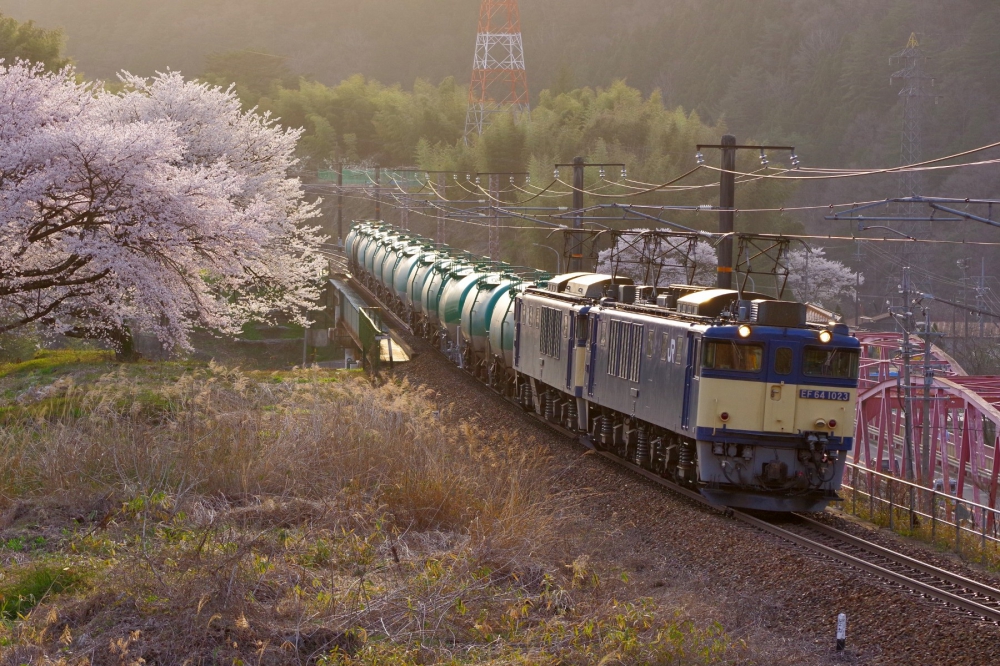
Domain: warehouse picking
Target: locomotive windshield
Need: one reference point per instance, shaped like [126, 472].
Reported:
[729, 355]
[831, 363]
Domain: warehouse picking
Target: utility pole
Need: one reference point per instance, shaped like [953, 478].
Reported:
[340, 204]
[912, 95]
[981, 299]
[925, 421]
[908, 395]
[378, 193]
[442, 192]
[576, 252]
[727, 211]
[727, 198]
[574, 262]
[964, 265]
[494, 217]
[857, 291]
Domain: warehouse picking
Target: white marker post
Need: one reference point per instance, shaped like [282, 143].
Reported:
[841, 632]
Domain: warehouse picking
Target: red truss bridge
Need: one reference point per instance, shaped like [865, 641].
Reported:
[960, 413]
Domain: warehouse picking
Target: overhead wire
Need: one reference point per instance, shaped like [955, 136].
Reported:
[852, 238]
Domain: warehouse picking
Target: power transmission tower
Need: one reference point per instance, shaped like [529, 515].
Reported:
[499, 79]
[913, 93]
[914, 81]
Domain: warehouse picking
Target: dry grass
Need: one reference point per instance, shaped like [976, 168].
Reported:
[212, 516]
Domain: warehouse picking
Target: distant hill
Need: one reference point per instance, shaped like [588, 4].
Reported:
[817, 70]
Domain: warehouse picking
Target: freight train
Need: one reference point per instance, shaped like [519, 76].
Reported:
[733, 395]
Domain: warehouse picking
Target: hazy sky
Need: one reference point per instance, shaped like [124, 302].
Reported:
[392, 40]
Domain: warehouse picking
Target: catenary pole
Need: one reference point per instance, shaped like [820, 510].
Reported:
[340, 204]
[727, 215]
[576, 251]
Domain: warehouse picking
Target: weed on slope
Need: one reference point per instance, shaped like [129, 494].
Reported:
[208, 515]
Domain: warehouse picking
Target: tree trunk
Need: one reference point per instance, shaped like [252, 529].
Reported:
[125, 351]
[119, 337]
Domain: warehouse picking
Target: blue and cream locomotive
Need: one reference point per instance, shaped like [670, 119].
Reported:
[733, 395]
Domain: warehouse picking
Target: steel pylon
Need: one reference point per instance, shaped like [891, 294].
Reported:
[499, 80]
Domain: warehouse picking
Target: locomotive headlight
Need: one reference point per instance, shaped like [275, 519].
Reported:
[825, 336]
[744, 331]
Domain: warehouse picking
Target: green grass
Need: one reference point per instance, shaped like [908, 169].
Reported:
[27, 588]
[52, 361]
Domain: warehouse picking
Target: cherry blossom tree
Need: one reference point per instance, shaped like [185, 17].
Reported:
[163, 206]
[816, 279]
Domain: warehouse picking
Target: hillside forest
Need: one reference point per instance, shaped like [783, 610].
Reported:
[640, 82]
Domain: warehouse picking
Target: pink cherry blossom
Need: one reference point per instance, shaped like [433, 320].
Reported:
[163, 207]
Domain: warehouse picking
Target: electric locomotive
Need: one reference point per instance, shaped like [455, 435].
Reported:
[732, 394]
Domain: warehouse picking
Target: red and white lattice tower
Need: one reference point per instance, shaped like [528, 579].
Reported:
[499, 80]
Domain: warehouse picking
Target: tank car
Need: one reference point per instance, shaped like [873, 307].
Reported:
[732, 394]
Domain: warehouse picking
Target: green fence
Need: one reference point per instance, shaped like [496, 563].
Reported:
[409, 180]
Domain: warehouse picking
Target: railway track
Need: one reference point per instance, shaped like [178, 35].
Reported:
[974, 599]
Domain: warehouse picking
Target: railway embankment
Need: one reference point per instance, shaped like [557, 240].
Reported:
[778, 598]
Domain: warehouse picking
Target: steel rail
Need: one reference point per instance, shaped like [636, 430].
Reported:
[943, 575]
[987, 612]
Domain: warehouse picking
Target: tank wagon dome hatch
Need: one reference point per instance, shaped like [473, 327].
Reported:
[592, 285]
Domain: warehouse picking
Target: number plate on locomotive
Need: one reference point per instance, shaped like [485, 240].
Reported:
[811, 394]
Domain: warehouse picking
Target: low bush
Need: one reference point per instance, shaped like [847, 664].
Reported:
[300, 517]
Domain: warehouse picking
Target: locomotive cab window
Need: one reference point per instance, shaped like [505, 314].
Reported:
[733, 356]
[783, 361]
[830, 363]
